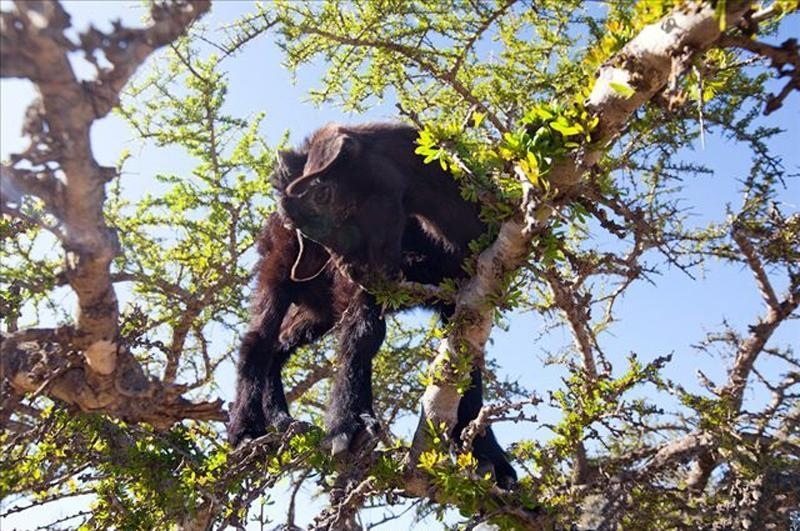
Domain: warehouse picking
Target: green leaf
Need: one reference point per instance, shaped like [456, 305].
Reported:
[566, 130]
[622, 88]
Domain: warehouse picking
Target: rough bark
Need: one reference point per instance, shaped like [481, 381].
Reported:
[646, 63]
[85, 365]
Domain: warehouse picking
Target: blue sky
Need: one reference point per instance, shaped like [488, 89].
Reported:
[653, 319]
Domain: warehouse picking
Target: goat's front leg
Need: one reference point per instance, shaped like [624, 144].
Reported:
[350, 419]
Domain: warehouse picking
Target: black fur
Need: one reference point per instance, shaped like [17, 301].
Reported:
[363, 194]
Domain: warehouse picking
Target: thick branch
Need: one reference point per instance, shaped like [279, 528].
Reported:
[34, 46]
[42, 361]
[645, 64]
[66, 177]
[44, 185]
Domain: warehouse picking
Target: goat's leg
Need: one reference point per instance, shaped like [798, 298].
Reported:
[350, 419]
[485, 448]
[260, 400]
[303, 325]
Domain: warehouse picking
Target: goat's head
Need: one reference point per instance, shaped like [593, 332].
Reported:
[344, 198]
[319, 200]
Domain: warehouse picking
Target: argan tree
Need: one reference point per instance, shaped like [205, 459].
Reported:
[568, 121]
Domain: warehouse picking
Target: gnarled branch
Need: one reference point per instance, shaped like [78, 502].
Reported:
[59, 169]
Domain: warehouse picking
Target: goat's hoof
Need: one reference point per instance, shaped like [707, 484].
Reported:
[502, 472]
[355, 437]
[279, 422]
[239, 436]
[340, 444]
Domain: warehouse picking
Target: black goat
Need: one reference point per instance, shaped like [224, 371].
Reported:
[364, 216]
[358, 188]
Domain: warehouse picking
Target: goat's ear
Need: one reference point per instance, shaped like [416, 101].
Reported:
[311, 260]
[289, 166]
[325, 151]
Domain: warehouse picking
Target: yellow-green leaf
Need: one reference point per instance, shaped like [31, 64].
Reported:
[622, 88]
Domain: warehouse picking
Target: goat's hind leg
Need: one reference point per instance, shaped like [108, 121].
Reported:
[260, 401]
[485, 448]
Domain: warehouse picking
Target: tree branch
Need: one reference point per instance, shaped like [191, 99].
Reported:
[645, 64]
[786, 54]
[43, 360]
[58, 125]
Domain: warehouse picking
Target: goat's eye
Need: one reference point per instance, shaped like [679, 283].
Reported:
[321, 194]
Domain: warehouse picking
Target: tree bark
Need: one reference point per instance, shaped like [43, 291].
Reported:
[645, 64]
[59, 169]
